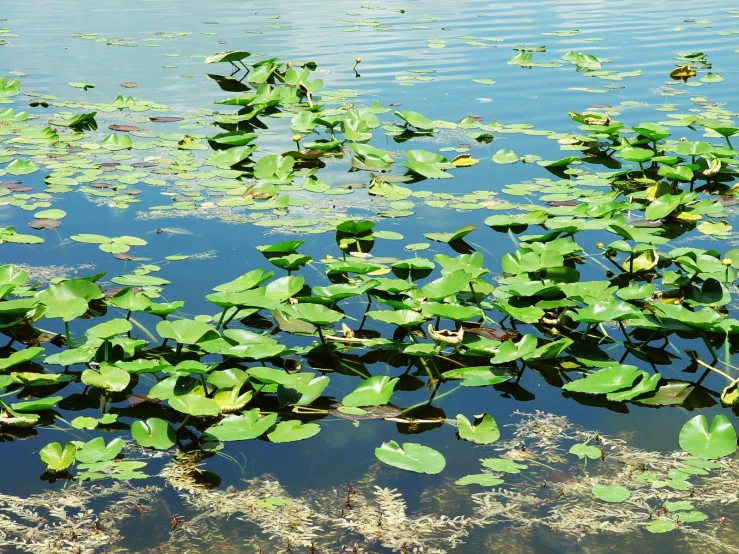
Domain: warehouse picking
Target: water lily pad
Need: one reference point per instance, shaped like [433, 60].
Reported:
[374, 391]
[503, 465]
[700, 441]
[484, 431]
[97, 451]
[583, 451]
[459, 234]
[608, 379]
[242, 427]
[57, 458]
[108, 378]
[21, 167]
[293, 430]
[115, 142]
[153, 433]
[611, 493]
[411, 457]
[661, 526]
[194, 404]
[484, 479]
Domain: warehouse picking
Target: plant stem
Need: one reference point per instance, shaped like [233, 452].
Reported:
[423, 362]
[181, 425]
[474, 297]
[220, 321]
[715, 370]
[67, 335]
[437, 398]
[708, 345]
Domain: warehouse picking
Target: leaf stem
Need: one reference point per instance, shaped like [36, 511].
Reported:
[181, 425]
[220, 321]
[715, 370]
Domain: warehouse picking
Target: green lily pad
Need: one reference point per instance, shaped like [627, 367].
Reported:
[108, 378]
[484, 479]
[57, 458]
[503, 465]
[242, 427]
[459, 234]
[661, 526]
[115, 142]
[97, 451]
[484, 431]
[504, 156]
[21, 167]
[153, 433]
[374, 391]
[608, 379]
[411, 457]
[583, 451]
[194, 404]
[293, 430]
[700, 441]
[611, 493]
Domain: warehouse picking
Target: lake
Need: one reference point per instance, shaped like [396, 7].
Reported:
[350, 277]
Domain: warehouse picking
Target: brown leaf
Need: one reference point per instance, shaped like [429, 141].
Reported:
[44, 224]
[123, 128]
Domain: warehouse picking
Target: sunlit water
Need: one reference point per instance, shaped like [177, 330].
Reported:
[634, 35]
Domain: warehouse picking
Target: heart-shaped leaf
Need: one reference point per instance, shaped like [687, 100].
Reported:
[153, 433]
[484, 431]
[57, 458]
[586, 451]
[484, 479]
[109, 377]
[608, 379]
[242, 427]
[411, 457]
[611, 493]
[97, 451]
[700, 441]
[195, 404]
[374, 391]
[293, 430]
[185, 331]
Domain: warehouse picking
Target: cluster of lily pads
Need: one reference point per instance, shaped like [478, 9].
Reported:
[221, 377]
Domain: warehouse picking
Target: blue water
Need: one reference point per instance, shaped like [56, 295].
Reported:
[633, 35]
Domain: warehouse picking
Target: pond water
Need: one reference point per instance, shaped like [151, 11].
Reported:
[495, 83]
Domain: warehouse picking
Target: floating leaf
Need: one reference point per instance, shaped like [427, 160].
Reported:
[611, 493]
[57, 458]
[374, 391]
[586, 451]
[459, 234]
[608, 379]
[484, 479]
[97, 451]
[700, 441]
[411, 457]
[661, 526]
[242, 427]
[293, 430]
[503, 465]
[153, 433]
[115, 142]
[484, 431]
[21, 167]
